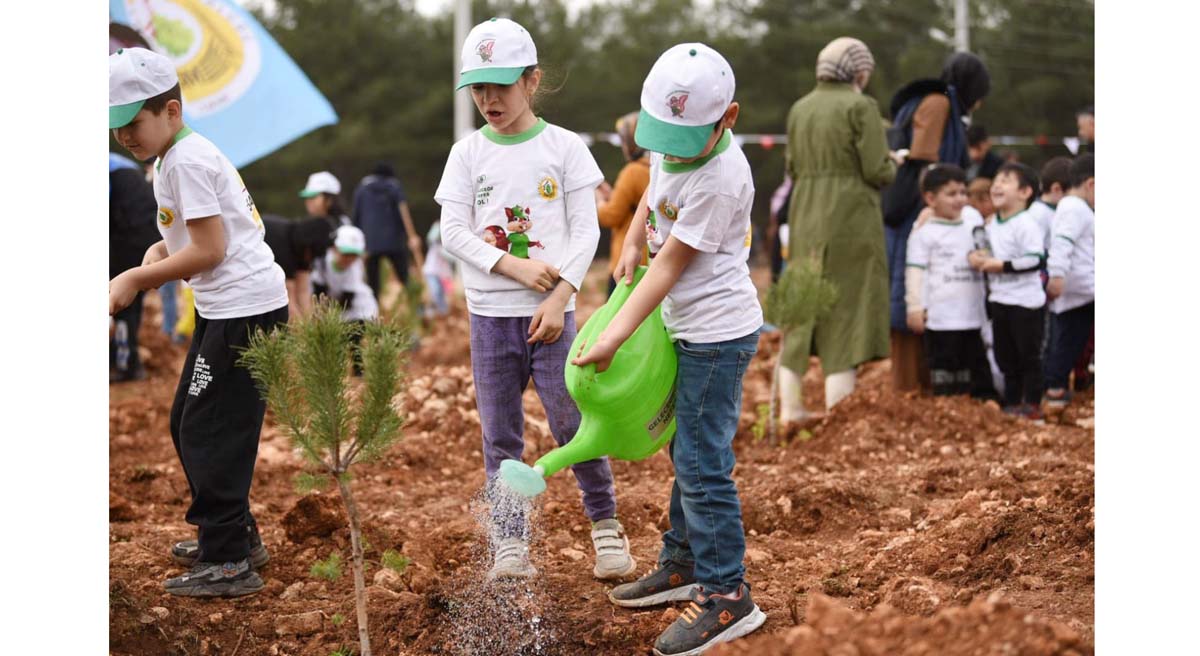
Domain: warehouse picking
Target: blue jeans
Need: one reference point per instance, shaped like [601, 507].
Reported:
[706, 515]
[1069, 333]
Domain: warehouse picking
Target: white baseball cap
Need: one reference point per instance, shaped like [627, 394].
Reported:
[321, 182]
[686, 93]
[496, 51]
[349, 240]
[134, 76]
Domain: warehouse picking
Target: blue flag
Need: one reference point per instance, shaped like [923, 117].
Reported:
[240, 89]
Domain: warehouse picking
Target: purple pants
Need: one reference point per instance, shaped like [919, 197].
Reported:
[503, 363]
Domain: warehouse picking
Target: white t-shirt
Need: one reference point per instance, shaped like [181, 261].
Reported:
[1042, 213]
[529, 195]
[953, 293]
[1014, 238]
[353, 278]
[1073, 254]
[706, 205]
[194, 181]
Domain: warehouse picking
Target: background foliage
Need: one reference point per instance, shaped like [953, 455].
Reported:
[387, 69]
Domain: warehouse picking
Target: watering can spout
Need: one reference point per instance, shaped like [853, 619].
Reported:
[626, 412]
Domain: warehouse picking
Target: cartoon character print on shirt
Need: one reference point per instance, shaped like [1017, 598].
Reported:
[519, 223]
[496, 236]
[651, 228]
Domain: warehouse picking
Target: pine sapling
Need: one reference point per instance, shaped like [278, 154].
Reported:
[801, 297]
[303, 371]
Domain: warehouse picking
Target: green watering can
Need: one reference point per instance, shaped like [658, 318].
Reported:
[627, 412]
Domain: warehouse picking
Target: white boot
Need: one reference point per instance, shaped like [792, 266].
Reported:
[791, 406]
[838, 386]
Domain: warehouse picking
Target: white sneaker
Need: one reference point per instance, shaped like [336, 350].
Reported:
[612, 550]
[511, 561]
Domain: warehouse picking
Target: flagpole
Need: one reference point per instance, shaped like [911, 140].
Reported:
[464, 122]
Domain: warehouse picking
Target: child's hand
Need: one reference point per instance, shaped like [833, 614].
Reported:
[547, 323]
[601, 353]
[916, 321]
[121, 292]
[534, 274]
[924, 216]
[981, 261]
[627, 264]
[1054, 288]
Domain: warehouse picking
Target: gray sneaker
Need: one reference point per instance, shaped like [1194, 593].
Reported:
[612, 550]
[185, 553]
[512, 561]
[709, 620]
[232, 579]
[668, 582]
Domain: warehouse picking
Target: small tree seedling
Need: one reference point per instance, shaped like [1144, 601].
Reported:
[303, 371]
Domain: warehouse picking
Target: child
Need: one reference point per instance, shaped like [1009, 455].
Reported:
[1072, 285]
[343, 279]
[213, 238]
[979, 196]
[519, 170]
[439, 274]
[615, 206]
[1055, 179]
[699, 201]
[1016, 297]
[944, 295]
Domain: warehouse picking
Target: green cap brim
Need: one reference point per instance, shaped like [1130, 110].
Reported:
[676, 140]
[304, 193]
[120, 115]
[350, 251]
[490, 76]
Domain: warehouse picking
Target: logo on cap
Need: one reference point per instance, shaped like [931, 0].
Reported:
[676, 102]
[484, 50]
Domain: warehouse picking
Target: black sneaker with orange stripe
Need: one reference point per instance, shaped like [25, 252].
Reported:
[708, 620]
[667, 582]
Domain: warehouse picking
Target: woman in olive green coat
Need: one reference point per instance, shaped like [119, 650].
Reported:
[837, 154]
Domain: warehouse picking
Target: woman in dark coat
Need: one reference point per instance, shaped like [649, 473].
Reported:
[927, 119]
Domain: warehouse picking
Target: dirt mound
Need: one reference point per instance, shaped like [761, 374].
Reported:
[988, 625]
[314, 516]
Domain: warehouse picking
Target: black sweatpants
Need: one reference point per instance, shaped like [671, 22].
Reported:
[399, 260]
[1017, 337]
[1069, 335]
[215, 423]
[958, 363]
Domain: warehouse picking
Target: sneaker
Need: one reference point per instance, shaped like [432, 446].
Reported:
[186, 552]
[232, 579]
[668, 582]
[709, 620]
[612, 550]
[1054, 404]
[512, 561]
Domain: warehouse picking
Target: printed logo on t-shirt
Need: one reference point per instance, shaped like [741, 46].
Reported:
[548, 188]
[676, 100]
[668, 209]
[482, 194]
[250, 207]
[484, 50]
[166, 216]
[514, 242]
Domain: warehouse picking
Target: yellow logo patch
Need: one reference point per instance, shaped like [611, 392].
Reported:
[548, 188]
[166, 216]
[668, 209]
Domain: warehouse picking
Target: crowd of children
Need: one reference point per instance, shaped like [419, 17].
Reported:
[518, 204]
[973, 277]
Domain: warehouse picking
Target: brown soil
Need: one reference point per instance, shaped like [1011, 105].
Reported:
[898, 524]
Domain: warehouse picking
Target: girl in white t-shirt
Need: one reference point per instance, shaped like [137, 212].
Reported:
[519, 213]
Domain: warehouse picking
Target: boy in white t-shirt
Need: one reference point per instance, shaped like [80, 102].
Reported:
[1016, 297]
[944, 295]
[1072, 287]
[697, 217]
[343, 278]
[213, 239]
